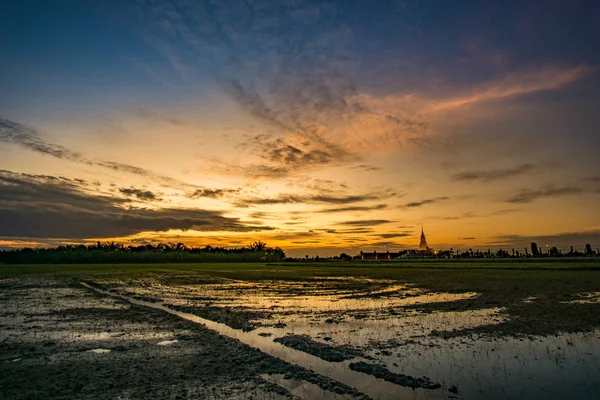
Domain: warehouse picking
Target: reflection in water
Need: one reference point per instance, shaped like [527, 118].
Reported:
[585, 298]
[167, 342]
[383, 331]
[367, 384]
[303, 389]
[99, 351]
[405, 341]
[555, 367]
[295, 296]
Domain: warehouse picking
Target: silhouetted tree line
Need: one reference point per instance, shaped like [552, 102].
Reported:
[111, 252]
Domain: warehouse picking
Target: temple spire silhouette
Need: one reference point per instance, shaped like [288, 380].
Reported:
[423, 246]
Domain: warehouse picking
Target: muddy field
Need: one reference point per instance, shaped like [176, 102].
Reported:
[256, 331]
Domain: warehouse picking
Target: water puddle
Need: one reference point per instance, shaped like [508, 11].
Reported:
[566, 366]
[99, 351]
[370, 332]
[303, 389]
[585, 298]
[364, 383]
[296, 296]
[377, 330]
[167, 342]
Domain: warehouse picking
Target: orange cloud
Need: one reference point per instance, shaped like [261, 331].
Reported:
[548, 78]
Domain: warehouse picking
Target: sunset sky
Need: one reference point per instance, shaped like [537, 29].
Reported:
[318, 126]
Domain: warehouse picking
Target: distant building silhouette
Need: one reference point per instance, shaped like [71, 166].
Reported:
[423, 246]
[380, 256]
[534, 249]
[423, 251]
[588, 250]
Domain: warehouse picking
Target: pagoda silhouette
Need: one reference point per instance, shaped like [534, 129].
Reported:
[423, 246]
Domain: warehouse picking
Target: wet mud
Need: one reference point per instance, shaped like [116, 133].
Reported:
[443, 335]
[382, 372]
[326, 352]
[60, 341]
[235, 318]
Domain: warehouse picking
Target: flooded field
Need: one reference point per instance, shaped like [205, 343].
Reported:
[270, 332]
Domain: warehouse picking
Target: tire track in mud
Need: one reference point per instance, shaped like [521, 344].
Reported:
[364, 383]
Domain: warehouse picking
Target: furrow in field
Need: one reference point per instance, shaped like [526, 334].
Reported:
[341, 372]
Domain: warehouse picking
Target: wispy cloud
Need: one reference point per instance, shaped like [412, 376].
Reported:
[310, 199]
[211, 193]
[30, 139]
[421, 203]
[365, 222]
[493, 175]
[416, 113]
[534, 80]
[353, 208]
[528, 196]
[393, 235]
[469, 215]
[140, 194]
[365, 167]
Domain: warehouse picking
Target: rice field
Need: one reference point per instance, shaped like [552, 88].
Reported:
[301, 330]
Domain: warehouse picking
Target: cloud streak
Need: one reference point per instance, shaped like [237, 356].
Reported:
[493, 175]
[529, 196]
[365, 222]
[311, 199]
[353, 208]
[28, 138]
[424, 202]
[547, 78]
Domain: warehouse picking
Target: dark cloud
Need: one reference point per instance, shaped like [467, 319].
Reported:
[365, 222]
[354, 208]
[39, 206]
[393, 235]
[353, 230]
[308, 199]
[424, 202]
[469, 215]
[385, 244]
[493, 175]
[30, 139]
[211, 193]
[140, 194]
[528, 196]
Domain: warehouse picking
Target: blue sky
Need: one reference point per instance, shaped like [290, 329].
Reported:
[280, 110]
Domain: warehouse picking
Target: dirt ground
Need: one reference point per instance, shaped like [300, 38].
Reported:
[54, 337]
[275, 332]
